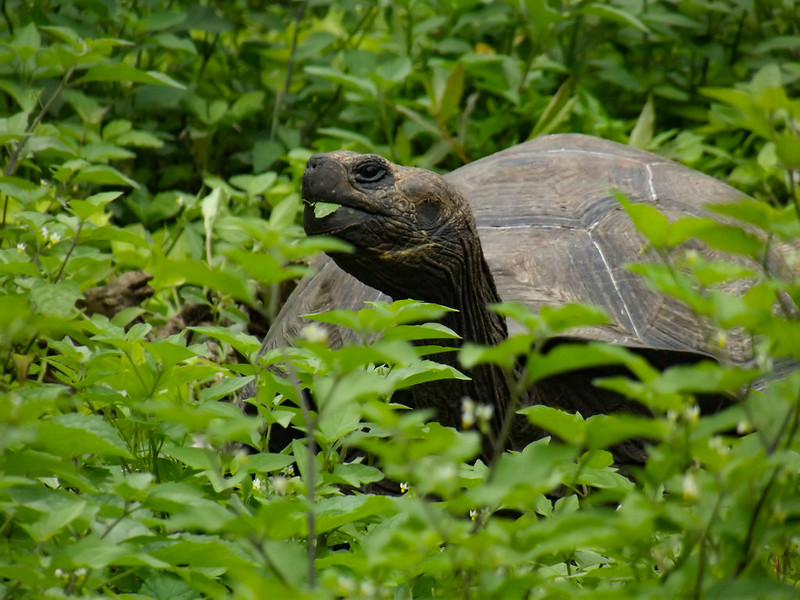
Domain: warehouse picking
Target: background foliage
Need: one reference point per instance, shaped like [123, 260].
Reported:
[167, 138]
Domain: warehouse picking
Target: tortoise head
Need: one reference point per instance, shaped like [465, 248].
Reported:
[412, 231]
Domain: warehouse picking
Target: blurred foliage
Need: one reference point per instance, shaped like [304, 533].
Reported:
[168, 138]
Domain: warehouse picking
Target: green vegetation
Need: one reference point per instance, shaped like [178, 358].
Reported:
[168, 138]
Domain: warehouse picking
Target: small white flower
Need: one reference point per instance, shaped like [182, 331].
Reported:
[717, 444]
[288, 471]
[473, 514]
[722, 339]
[257, 483]
[280, 485]
[743, 427]
[45, 233]
[467, 412]
[80, 573]
[200, 441]
[691, 414]
[484, 412]
[444, 474]
[55, 237]
[404, 487]
[690, 490]
[345, 586]
[314, 333]
[21, 247]
[367, 589]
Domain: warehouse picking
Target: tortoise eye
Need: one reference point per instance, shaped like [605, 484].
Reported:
[369, 172]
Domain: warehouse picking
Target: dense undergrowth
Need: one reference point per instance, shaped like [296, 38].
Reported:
[164, 140]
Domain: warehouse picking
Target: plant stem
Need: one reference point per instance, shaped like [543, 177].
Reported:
[751, 527]
[69, 252]
[7, 18]
[701, 569]
[11, 167]
[310, 476]
[289, 69]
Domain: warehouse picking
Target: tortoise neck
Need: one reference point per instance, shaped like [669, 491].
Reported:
[470, 292]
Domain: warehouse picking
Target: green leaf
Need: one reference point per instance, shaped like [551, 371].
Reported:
[159, 21]
[566, 357]
[244, 344]
[427, 331]
[541, 16]
[123, 72]
[247, 104]
[255, 185]
[505, 354]
[267, 463]
[56, 299]
[359, 85]
[226, 387]
[323, 209]
[556, 111]
[167, 587]
[642, 133]
[55, 520]
[450, 98]
[571, 428]
[226, 281]
[75, 434]
[605, 431]
[395, 69]
[139, 139]
[103, 175]
[83, 209]
[787, 145]
[648, 220]
[612, 13]
[19, 268]
[26, 42]
[337, 511]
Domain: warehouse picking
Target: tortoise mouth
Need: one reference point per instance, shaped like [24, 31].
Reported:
[344, 222]
[326, 181]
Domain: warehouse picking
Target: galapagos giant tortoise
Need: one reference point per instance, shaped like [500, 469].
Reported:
[547, 230]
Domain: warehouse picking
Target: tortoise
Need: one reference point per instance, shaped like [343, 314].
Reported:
[537, 223]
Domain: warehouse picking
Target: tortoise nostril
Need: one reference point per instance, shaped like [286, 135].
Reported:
[313, 162]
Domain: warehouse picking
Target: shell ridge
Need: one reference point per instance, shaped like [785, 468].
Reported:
[620, 295]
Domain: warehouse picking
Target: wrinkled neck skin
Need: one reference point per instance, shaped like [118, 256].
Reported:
[467, 286]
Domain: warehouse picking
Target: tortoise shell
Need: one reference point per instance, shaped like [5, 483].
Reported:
[552, 233]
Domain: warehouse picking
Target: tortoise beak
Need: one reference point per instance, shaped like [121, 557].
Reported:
[323, 179]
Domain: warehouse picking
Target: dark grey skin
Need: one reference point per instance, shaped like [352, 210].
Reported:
[414, 237]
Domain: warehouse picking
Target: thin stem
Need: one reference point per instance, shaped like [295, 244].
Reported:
[310, 475]
[701, 569]
[69, 252]
[11, 167]
[7, 18]
[289, 69]
[751, 527]
[462, 153]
